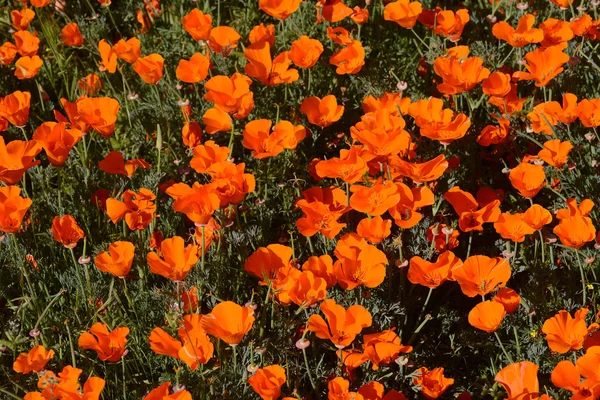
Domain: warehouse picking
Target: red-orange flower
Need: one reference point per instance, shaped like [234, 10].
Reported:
[565, 333]
[128, 51]
[509, 299]
[523, 35]
[358, 263]
[543, 65]
[433, 274]
[265, 261]
[12, 208]
[528, 179]
[162, 393]
[110, 346]
[374, 200]
[27, 43]
[15, 108]
[118, 260]
[137, 209]
[432, 383]
[322, 207]
[197, 24]
[223, 39]
[231, 94]
[175, 260]
[420, 172]
[480, 275]
[229, 322]
[16, 158]
[115, 164]
[149, 68]
[406, 213]
[28, 67]
[513, 227]
[262, 33]
[70, 35]
[403, 12]
[33, 361]
[108, 58]
[91, 84]
[437, 123]
[322, 112]
[350, 59]
[555, 152]
[195, 70]
[374, 229]
[520, 381]
[100, 113]
[342, 325]
[459, 73]
[22, 18]
[472, 213]
[487, 316]
[280, 9]
[267, 382]
[305, 52]
[57, 141]
[66, 231]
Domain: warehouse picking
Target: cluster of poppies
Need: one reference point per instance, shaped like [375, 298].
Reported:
[378, 186]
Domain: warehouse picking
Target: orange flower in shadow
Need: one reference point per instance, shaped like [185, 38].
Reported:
[108, 58]
[110, 346]
[15, 108]
[100, 113]
[149, 68]
[33, 361]
[305, 52]
[433, 274]
[420, 172]
[229, 322]
[480, 275]
[487, 316]
[472, 214]
[520, 381]
[137, 209]
[22, 18]
[565, 333]
[118, 260]
[262, 33]
[269, 72]
[509, 299]
[175, 260]
[28, 67]
[115, 164]
[431, 383]
[12, 208]
[374, 229]
[350, 59]
[232, 95]
[321, 267]
[223, 39]
[555, 152]
[128, 51]
[342, 325]
[265, 262]
[322, 207]
[66, 231]
[70, 35]
[358, 263]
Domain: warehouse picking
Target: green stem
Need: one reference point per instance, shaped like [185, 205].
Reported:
[508, 357]
[582, 277]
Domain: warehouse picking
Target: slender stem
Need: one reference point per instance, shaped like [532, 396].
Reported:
[508, 357]
[234, 347]
[312, 382]
[203, 249]
[470, 241]
[582, 277]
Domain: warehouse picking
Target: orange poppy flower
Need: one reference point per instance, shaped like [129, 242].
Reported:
[487, 316]
[286, 279]
[27, 43]
[216, 120]
[16, 158]
[375, 390]
[543, 65]
[555, 152]
[12, 208]
[229, 322]
[513, 227]
[8, 52]
[491, 134]
[556, 32]
[208, 154]
[118, 260]
[197, 24]
[497, 84]
[584, 26]
[110, 346]
[175, 260]
[358, 263]
[374, 200]
[265, 261]
[350, 166]
[565, 333]
[383, 348]
[524, 34]
[91, 84]
[520, 381]
[70, 35]
[321, 267]
[433, 274]
[33, 361]
[537, 217]
[280, 9]
[459, 73]
[162, 393]
[66, 231]
[262, 33]
[393, 102]
[480, 275]
[223, 39]
[420, 172]
[528, 179]
[374, 229]
[566, 376]
[308, 289]
[339, 35]
[195, 70]
[57, 141]
[22, 18]
[137, 209]
[360, 15]
[128, 51]
[589, 364]
[574, 210]
[149, 68]
[332, 11]
[338, 389]
[509, 299]
[342, 325]
[15, 108]
[267, 71]
[322, 112]
[267, 382]
[382, 133]
[229, 93]
[305, 52]
[432, 383]
[73, 118]
[350, 59]
[322, 207]
[403, 12]
[437, 123]
[575, 231]
[189, 299]
[191, 134]
[230, 183]
[28, 67]
[472, 214]
[108, 57]
[100, 113]
[446, 22]
[115, 164]
[510, 104]
[588, 112]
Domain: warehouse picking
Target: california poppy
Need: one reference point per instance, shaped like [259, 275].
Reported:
[70, 35]
[27, 43]
[322, 207]
[228, 322]
[262, 33]
[537, 217]
[137, 209]
[588, 112]
[360, 15]
[28, 67]
[374, 229]
[566, 376]
[118, 260]
[432, 383]
[565, 333]
[442, 237]
[308, 289]
[57, 140]
[195, 70]
[394, 102]
[15, 108]
[403, 12]
[520, 381]
[110, 345]
[472, 214]
[459, 72]
[149, 68]
[33, 361]
[339, 35]
[339, 389]
[305, 52]
[216, 120]
[267, 71]
[91, 84]
[229, 93]
[492, 134]
[350, 166]
[115, 164]
[342, 325]
[191, 134]
[589, 364]
[265, 261]
[208, 154]
[480, 275]
[543, 65]
[556, 32]
[66, 231]
[446, 22]
[162, 393]
[437, 123]
[575, 228]
[497, 84]
[524, 34]
[513, 227]
[382, 132]
[509, 299]
[267, 382]
[17, 157]
[8, 52]
[374, 200]
[487, 316]
[420, 172]
[100, 113]
[12, 208]
[22, 18]
[108, 57]
[358, 263]
[433, 274]
[197, 24]
[128, 51]
[321, 267]
[350, 59]
[322, 112]
[280, 9]
[555, 152]
[175, 260]
[528, 179]
[223, 39]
